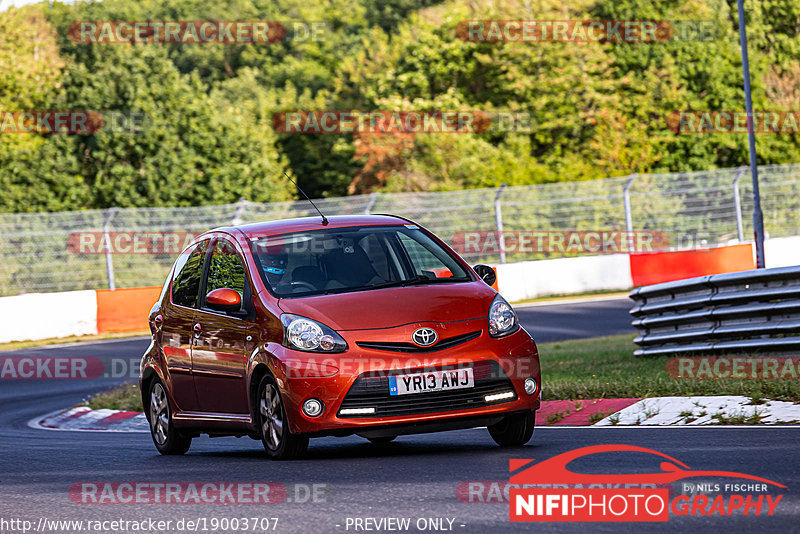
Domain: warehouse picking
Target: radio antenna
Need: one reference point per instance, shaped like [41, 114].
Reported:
[324, 219]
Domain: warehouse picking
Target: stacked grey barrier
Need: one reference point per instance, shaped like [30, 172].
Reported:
[748, 311]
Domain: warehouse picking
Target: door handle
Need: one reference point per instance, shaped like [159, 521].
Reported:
[197, 329]
[157, 322]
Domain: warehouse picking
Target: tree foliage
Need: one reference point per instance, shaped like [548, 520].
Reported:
[595, 109]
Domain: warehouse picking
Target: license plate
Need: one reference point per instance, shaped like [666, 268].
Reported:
[431, 381]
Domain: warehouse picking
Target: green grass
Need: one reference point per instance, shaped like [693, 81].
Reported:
[124, 397]
[737, 419]
[585, 369]
[598, 416]
[577, 296]
[15, 345]
[606, 368]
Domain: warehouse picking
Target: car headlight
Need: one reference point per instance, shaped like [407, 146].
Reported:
[502, 319]
[301, 333]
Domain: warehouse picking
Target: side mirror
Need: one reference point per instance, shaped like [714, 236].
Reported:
[486, 274]
[224, 300]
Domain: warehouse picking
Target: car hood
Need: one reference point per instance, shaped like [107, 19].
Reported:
[385, 308]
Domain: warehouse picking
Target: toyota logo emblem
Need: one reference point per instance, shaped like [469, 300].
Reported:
[424, 337]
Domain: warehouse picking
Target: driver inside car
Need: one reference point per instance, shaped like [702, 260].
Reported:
[349, 266]
[274, 267]
[346, 265]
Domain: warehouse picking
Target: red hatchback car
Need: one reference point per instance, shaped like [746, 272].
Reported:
[366, 325]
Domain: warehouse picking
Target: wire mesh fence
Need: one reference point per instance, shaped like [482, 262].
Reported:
[44, 252]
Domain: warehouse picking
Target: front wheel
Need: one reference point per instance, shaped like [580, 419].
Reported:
[514, 430]
[279, 442]
[166, 438]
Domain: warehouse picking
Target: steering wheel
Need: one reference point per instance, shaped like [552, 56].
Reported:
[302, 284]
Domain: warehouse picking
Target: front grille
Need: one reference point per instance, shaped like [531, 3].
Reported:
[410, 347]
[371, 390]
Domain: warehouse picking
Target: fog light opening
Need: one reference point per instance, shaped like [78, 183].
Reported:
[313, 407]
[530, 385]
[499, 396]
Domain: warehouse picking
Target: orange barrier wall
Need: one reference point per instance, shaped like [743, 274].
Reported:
[656, 267]
[125, 310]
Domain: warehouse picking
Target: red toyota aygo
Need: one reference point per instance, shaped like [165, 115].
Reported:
[300, 328]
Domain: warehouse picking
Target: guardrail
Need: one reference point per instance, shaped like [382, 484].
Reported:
[755, 310]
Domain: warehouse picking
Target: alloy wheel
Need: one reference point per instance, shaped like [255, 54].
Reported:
[271, 416]
[159, 414]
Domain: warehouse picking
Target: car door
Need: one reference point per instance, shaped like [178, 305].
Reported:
[177, 320]
[223, 342]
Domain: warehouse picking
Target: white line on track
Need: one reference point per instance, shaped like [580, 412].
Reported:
[35, 423]
[567, 301]
[78, 344]
[645, 427]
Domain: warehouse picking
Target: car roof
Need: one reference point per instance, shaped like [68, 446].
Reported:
[300, 224]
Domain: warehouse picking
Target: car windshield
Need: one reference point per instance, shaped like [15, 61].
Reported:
[339, 260]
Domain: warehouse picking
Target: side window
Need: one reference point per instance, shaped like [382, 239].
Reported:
[226, 269]
[422, 258]
[188, 272]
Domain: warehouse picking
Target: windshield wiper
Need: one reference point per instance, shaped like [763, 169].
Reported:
[395, 283]
[417, 280]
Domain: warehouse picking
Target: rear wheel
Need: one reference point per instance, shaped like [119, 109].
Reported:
[514, 430]
[166, 438]
[279, 442]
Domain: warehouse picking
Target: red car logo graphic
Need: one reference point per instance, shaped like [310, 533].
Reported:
[554, 470]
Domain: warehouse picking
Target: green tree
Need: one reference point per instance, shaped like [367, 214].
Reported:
[193, 149]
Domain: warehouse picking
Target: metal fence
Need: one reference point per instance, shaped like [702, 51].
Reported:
[756, 310]
[691, 209]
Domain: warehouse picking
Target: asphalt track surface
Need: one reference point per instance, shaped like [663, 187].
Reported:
[576, 320]
[415, 477]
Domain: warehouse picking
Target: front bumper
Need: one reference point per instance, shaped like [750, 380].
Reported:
[330, 377]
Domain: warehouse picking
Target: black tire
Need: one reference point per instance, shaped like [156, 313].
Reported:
[165, 436]
[279, 442]
[383, 440]
[514, 430]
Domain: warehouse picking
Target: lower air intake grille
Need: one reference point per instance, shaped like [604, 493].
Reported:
[371, 390]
